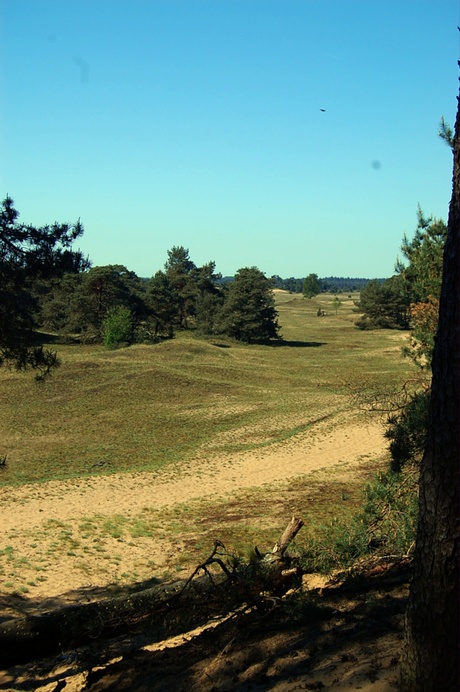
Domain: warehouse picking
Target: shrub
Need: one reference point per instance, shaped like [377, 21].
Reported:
[385, 305]
[386, 524]
[390, 512]
[407, 430]
[117, 327]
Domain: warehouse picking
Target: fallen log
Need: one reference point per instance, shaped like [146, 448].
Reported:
[155, 609]
[25, 638]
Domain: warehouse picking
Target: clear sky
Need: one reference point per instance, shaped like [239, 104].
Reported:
[298, 136]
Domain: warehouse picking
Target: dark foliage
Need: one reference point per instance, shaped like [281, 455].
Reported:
[30, 257]
[385, 305]
[248, 313]
[340, 284]
[406, 430]
[80, 303]
[329, 284]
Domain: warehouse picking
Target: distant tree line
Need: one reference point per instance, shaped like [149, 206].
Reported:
[47, 285]
[113, 304]
[329, 284]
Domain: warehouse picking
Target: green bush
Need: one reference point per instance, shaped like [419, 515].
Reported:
[407, 430]
[389, 516]
[117, 327]
[335, 545]
[386, 525]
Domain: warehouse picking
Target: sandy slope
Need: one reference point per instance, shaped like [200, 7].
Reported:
[26, 511]
[126, 493]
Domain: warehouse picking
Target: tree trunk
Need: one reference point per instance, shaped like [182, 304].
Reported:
[431, 656]
[290, 532]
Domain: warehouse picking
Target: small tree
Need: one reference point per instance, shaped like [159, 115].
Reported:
[336, 304]
[117, 327]
[248, 313]
[421, 274]
[311, 286]
[385, 305]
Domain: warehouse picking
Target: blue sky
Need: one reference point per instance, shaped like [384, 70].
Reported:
[199, 123]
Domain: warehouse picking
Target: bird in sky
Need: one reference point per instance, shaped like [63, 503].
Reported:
[323, 110]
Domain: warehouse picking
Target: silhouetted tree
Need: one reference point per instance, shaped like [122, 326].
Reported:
[29, 255]
[431, 656]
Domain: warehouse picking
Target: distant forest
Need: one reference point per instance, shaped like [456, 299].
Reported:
[330, 284]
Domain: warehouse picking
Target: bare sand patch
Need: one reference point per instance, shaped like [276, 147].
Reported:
[26, 511]
[127, 493]
[33, 514]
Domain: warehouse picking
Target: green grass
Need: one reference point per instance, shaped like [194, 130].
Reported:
[145, 407]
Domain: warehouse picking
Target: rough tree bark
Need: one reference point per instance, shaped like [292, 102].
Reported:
[431, 656]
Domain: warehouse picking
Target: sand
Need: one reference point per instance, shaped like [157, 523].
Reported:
[27, 510]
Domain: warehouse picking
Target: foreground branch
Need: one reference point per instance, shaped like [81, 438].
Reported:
[226, 583]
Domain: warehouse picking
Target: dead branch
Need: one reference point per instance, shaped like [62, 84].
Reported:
[289, 533]
[198, 598]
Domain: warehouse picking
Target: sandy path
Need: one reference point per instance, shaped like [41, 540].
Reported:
[128, 493]
[49, 562]
[26, 509]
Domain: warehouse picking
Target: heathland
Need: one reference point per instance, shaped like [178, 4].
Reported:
[126, 465]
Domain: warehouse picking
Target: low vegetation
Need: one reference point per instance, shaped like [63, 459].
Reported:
[145, 407]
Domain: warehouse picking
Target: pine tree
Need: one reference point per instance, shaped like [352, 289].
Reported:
[29, 255]
[431, 657]
[249, 313]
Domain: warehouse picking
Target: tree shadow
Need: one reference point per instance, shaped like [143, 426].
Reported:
[276, 343]
[21, 605]
[296, 344]
[44, 338]
[259, 652]
[344, 630]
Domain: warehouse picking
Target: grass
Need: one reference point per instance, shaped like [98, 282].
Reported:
[148, 407]
[145, 407]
